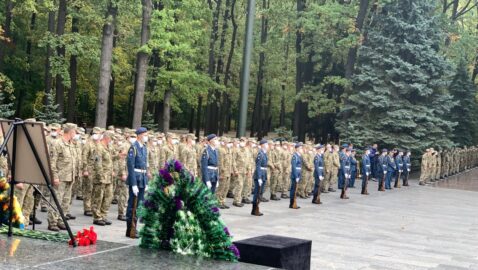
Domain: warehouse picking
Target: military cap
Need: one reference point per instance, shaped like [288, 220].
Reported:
[299, 144]
[384, 150]
[345, 145]
[111, 127]
[141, 130]
[109, 134]
[319, 146]
[96, 130]
[263, 141]
[191, 136]
[55, 126]
[119, 131]
[211, 137]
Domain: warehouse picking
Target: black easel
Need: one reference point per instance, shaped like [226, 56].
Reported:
[12, 131]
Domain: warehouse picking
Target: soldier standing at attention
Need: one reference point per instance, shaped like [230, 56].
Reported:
[168, 150]
[407, 166]
[353, 169]
[318, 173]
[240, 170]
[260, 176]
[225, 171]
[88, 161]
[63, 167]
[246, 190]
[189, 155]
[366, 171]
[137, 162]
[103, 171]
[275, 159]
[382, 169]
[391, 169]
[209, 163]
[399, 166]
[295, 175]
[345, 170]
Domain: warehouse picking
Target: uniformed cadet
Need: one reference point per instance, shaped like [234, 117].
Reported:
[137, 161]
[407, 166]
[382, 169]
[121, 190]
[399, 166]
[353, 168]
[318, 173]
[168, 151]
[55, 130]
[210, 162]
[88, 158]
[225, 171]
[295, 174]
[391, 169]
[307, 169]
[103, 174]
[188, 154]
[366, 170]
[63, 167]
[246, 190]
[240, 171]
[285, 157]
[260, 176]
[275, 170]
[345, 171]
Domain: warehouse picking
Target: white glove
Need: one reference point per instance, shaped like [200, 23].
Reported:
[408, 170]
[297, 180]
[135, 191]
[260, 182]
[217, 184]
[367, 174]
[321, 178]
[146, 188]
[208, 184]
[346, 175]
[400, 171]
[384, 172]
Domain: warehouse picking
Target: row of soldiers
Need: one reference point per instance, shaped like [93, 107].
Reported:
[440, 164]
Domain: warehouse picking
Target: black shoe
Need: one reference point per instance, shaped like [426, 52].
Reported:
[284, 196]
[99, 222]
[88, 213]
[332, 190]
[230, 195]
[221, 206]
[246, 201]
[79, 198]
[53, 228]
[69, 216]
[274, 198]
[44, 209]
[107, 222]
[121, 217]
[238, 204]
[114, 201]
[226, 207]
[62, 227]
[37, 221]
[262, 199]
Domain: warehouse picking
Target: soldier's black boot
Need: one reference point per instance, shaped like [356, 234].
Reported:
[316, 200]
[274, 198]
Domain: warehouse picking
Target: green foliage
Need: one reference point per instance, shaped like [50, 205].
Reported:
[180, 214]
[50, 113]
[399, 95]
[465, 113]
[148, 122]
[6, 107]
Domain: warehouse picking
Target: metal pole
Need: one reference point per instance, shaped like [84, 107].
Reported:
[245, 72]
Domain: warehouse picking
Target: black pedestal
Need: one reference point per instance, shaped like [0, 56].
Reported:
[276, 251]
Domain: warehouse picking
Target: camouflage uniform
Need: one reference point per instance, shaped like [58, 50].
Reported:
[240, 169]
[63, 165]
[102, 182]
[285, 175]
[189, 159]
[275, 171]
[247, 187]
[424, 173]
[225, 171]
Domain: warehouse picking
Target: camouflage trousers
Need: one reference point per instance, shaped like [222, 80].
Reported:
[285, 182]
[121, 196]
[101, 200]
[25, 200]
[62, 190]
[46, 194]
[238, 186]
[77, 187]
[275, 182]
[330, 178]
[425, 176]
[87, 193]
[247, 187]
[302, 187]
[221, 192]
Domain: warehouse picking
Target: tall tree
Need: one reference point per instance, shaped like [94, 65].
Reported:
[60, 50]
[300, 109]
[400, 96]
[105, 65]
[142, 64]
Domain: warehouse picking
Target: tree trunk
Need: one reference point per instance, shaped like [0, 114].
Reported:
[282, 108]
[198, 117]
[6, 32]
[71, 114]
[142, 65]
[220, 66]
[191, 120]
[48, 78]
[167, 108]
[105, 66]
[352, 56]
[212, 108]
[60, 50]
[257, 118]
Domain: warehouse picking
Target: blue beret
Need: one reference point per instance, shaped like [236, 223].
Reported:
[263, 141]
[384, 150]
[297, 145]
[345, 145]
[141, 130]
[211, 136]
[319, 146]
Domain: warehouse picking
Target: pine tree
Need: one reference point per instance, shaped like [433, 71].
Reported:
[148, 122]
[6, 108]
[465, 113]
[49, 114]
[399, 95]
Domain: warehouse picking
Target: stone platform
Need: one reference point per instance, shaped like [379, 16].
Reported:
[25, 253]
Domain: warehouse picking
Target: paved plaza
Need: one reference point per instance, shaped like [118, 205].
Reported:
[416, 227]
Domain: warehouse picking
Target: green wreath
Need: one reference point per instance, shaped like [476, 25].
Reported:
[180, 214]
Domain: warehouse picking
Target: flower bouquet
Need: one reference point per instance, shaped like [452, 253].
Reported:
[17, 217]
